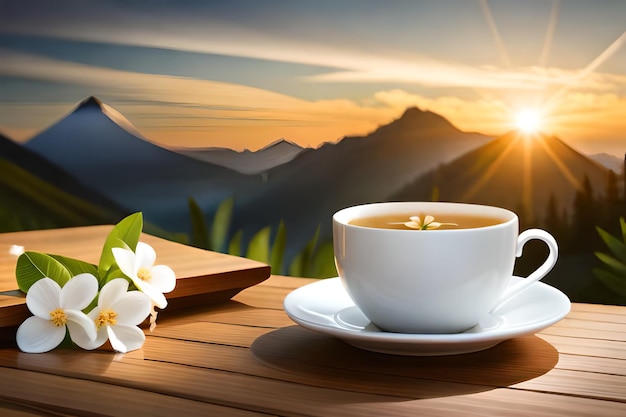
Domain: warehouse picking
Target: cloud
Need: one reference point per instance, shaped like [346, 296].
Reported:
[353, 63]
[194, 112]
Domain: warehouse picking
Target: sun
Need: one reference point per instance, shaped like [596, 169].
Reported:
[529, 121]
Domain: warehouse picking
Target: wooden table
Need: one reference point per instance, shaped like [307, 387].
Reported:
[245, 357]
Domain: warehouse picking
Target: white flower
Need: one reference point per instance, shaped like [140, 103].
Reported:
[117, 316]
[429, 223]
[56, 309]
[153, 280]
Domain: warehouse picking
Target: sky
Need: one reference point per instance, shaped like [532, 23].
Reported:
[243, 74]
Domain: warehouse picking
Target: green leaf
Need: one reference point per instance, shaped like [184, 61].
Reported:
[301, 264]
[32, 266]
[615, 283]
[199, 232]
[221, 225]
[614, 264]
[278, 249]
[234, 247]
[126, 232]
[622, 224]
[323, 265]
[75, 266]
[259, 246]
[616, 246]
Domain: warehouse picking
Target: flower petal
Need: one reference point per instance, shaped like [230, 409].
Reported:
[111, 293]
[428, 219]
[155, 295]
[78, 318]
[144, 255]
[163, 278]
[81, 338]
[125, 259]
[126, 337]
[78, 292]
[116, 343]
[132, 308]
[37, 335]
[43, 297]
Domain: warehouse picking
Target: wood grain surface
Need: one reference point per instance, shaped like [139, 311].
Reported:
[245, 357]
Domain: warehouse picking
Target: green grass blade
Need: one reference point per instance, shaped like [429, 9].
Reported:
[221, 225]
[615, 245]
[259, 246]
[615, 283]
[234, 247]
[301, 264]
[617, 266]
[199, 231]
[278, 249]
[323, 265]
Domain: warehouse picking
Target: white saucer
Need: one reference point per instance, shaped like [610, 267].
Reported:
[325, 307]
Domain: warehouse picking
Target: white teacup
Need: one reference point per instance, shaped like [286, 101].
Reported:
[435, 280]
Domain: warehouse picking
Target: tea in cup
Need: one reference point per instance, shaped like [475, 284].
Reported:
[431, 267]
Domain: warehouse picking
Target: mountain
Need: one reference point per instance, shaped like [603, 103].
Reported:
[308, 190]
[35, 194]
[247, 162]
[45, 170]
[515, 172]
[97, 145]
[611, 162]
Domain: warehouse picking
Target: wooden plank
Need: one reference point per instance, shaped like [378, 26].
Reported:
[587, 347]
[608, 314]
[582, 384]
[595, 333]
[595, 364]
[604, 327]
[277, 397]
[37, 392]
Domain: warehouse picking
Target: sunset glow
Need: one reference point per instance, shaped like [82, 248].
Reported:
[244, 77]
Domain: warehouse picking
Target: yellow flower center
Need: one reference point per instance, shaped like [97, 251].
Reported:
[106, 317]
[144, 274]
[58, 317]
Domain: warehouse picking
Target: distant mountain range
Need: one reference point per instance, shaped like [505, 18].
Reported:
[247, 162]
[99, 146]
[418, 156]
[308, 190]
[515, 171]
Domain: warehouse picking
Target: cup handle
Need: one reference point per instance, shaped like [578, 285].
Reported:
[539, 273]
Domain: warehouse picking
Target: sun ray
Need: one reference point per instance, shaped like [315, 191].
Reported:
[487, 173]
[484, 5]
[567, 173]
[527, 182]
[547, 43]
[591, 67]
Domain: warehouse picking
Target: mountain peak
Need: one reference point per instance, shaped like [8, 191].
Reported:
[90, 102]
[423, 116]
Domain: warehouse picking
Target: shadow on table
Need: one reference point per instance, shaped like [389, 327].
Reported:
[316, 359]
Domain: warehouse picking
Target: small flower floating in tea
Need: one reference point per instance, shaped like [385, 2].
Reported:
[86, 304]
[428, 223]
